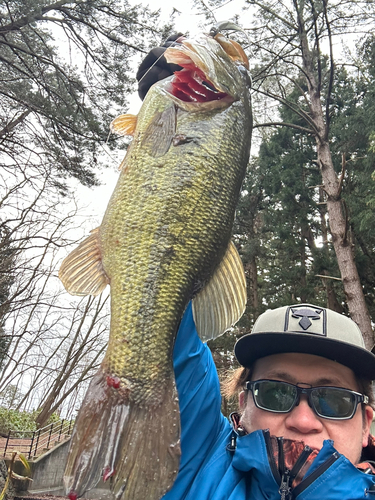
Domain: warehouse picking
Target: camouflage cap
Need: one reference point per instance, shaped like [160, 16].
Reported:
[305, 328]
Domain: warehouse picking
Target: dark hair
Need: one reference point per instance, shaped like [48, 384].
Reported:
[365, 387]
[235, 382]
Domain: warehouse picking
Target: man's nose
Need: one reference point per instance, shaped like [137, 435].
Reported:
[303, 419]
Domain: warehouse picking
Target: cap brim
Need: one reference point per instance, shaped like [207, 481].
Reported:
[253, 346]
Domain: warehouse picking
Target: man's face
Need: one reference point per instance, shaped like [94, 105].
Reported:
[302, 423]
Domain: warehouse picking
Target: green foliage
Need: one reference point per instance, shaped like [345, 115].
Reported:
[353, 126]
[7, 257]
[57, 109]
[372, 146]
[225, 361]
[282, 228]
[17, 421]
[6, 486]
[279, 221]
[22, 421]
[281, 224]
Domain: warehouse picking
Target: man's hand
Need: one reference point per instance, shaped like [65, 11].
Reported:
[154, 66]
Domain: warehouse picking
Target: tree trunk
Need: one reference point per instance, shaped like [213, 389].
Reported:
[332, 302]
[252, 293]
[332, 186]
[343, 248]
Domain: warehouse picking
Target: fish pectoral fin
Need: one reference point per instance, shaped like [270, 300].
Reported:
[160, 131]
[124, 124]
[221, 303]
[82, 271]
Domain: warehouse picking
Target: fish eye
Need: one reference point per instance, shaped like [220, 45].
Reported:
[246, 74]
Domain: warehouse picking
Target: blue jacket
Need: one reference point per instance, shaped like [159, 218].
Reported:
[211, 469]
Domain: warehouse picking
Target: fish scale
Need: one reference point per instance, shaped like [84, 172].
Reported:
[163, 241]
[159, 237]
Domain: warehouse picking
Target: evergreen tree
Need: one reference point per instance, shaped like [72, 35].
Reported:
[296, 254]
[286, 229]
[290, 37]
[64, 74]
[7, 257]
[353, 126]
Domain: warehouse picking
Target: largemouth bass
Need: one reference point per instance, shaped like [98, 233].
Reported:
[164, 240]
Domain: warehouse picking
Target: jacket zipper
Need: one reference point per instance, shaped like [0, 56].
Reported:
[288, 477]
[280, 444]
[271, 458]
[301, 460]
[284, 489]
[284, 477]
[314, 475]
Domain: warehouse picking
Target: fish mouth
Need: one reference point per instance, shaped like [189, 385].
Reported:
[191, 85]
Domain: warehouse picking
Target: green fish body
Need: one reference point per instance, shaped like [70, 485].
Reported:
[163, 241]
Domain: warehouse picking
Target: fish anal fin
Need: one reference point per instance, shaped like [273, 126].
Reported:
[136, 445]
[159, 133]
[82, 271]
[221, 303]
[124, 124]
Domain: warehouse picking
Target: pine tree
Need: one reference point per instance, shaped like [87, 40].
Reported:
[290, 39]
[64, 73]
[7, 257]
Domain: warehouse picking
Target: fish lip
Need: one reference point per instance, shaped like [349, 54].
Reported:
[191, 87]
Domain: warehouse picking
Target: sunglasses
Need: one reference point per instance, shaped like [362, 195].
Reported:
[333, 403]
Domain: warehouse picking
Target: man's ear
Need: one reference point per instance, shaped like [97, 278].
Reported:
[242, 400]
[367, 421]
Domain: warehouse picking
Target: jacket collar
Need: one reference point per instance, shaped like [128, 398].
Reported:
[293, 448]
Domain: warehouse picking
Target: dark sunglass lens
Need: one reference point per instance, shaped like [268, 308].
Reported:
[334, 403]
[274, 396]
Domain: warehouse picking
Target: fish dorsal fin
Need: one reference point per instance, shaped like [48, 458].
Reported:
[124, 124]
[82, 271]
[158, 135]
[222, 301]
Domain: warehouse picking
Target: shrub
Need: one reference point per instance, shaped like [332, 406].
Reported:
[17, 421]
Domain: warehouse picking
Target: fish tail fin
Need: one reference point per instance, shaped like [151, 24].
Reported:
[150, 453]
[135, 444]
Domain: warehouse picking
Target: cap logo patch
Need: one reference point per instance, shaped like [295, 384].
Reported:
[304, 317]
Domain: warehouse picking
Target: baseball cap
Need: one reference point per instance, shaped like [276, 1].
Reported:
[309, 329]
